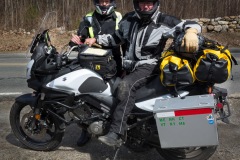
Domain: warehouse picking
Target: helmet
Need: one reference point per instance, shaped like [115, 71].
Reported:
[105, 10]
[145, 14]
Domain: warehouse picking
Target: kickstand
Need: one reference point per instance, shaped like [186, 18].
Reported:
[116, 153]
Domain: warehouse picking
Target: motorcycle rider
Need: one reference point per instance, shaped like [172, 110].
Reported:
[103, 20]
[145, 31]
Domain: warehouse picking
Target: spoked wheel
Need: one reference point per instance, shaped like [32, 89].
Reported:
[192, 153]
[42, 135]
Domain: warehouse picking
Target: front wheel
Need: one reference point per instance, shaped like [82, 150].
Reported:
[192, 153]
[41, 135]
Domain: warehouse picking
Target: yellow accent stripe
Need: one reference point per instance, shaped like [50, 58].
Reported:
[90, 29]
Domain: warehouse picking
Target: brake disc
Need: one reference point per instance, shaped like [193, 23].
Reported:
[38, 133]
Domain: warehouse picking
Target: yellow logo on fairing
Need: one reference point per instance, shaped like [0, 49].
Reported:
[98, 67]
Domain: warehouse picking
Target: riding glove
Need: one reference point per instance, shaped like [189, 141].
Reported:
[190, 40]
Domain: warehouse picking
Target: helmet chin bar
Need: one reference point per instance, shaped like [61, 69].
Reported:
[144, 15]
[105, 10]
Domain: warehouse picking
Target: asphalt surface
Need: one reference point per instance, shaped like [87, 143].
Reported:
[13, 80]
[13, 75]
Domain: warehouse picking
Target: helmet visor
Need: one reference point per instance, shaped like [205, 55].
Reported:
[145, 8]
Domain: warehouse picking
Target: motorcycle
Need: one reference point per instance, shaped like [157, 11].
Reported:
[62, 86]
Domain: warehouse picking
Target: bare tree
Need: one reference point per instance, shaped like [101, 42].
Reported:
[26, 13]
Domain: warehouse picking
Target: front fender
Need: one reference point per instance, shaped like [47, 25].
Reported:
[28, 99]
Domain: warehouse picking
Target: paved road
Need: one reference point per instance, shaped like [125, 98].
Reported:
[13, 71]
[232, 85]
[13, 74]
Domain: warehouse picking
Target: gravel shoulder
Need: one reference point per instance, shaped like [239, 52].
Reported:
[11, 149]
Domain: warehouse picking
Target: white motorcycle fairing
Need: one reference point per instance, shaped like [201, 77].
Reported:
[148, 105]
[84, 81]
[81, 81]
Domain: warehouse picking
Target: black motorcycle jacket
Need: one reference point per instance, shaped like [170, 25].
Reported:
[95, 24]
[145, 41]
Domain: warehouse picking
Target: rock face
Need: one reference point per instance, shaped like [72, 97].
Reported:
[219, 24]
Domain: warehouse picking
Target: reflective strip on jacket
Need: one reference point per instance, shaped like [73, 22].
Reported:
[89, 18]
[143, 41]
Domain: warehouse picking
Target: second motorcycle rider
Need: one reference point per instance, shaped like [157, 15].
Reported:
[145, 32]
[104, 20]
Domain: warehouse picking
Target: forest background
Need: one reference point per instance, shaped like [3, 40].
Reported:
[20, 19]
[27, 14]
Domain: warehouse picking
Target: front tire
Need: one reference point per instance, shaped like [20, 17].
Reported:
[193, 153]
[46, 133]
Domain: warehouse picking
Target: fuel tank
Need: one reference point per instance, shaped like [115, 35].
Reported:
[80, 82]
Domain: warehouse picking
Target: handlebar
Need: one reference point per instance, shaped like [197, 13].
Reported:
[55, 61]
[70, 51]
[96, 45]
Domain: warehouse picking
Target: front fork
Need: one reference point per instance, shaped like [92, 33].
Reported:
[36, 110]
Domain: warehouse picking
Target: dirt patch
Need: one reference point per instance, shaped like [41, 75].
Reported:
[226, 38]
[19, 41]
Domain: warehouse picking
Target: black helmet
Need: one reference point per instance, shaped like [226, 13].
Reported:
[105, 10]
[145, 14]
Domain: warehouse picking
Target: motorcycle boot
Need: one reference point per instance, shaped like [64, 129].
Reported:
[111, 139]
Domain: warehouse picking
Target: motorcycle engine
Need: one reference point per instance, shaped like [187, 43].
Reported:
[91, 118]
[96, 128]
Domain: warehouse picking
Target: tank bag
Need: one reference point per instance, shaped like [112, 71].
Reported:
[99, 60]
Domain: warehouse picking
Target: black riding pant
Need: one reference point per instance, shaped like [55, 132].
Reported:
[117, 57]
[126, 95]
